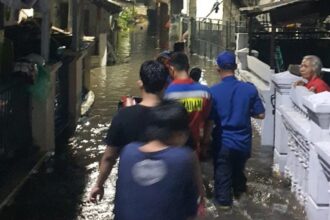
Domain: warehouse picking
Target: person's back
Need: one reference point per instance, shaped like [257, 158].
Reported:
[158, 179]
[130, 122]
[196, 98]
[128, 125]
[235, 100]
[234, 103]
[155, 185]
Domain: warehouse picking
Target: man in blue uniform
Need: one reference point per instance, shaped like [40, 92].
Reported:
[234, 103]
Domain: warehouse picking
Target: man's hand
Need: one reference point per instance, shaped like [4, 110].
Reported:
[96, 191]
[107, 162]
[312, 89]
[201, 211]
[259, 116]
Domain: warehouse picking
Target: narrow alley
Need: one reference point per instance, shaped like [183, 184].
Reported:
[59, 190]
[66, 64]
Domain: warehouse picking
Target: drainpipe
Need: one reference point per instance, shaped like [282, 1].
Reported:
[272, 48]
[75, 25]
[250, 34]
[1, 17]
[192, 11]
[45, 33]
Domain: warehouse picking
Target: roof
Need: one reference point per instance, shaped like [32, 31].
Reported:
[287, 11]
[265, 8]
[111, 7]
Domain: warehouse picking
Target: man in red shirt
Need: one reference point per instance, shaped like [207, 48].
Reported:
[310, 69]
[196, 98]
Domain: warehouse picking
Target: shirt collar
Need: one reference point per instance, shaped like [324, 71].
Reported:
[183, 81]
[313, 78]
[229, 78]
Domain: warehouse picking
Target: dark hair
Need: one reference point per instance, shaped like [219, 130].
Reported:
[195, 73]
[153, 75]
[163, 60]
[179, 61]
[165, 119]
[178, 47]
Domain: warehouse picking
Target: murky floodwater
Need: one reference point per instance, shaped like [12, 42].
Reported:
[62, 193]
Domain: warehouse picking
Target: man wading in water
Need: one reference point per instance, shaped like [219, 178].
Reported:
[130, 122]
[157, 179]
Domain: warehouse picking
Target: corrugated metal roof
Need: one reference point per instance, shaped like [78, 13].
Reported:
[110, 6]
[261, 9]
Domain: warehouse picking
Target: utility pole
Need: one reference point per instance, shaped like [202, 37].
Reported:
[2, 10]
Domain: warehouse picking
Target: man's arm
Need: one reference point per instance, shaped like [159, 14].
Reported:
[107, 162]
[207, 137]
[209, 117]
[258, 109]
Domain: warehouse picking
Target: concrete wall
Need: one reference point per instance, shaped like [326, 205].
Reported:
[43, 128]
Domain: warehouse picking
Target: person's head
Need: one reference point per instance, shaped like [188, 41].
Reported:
[168, 124]
[226, 62]
[178, 47]
[310, 66]
[179, 63]
[164, 57]
[153, 77]
[195, 73]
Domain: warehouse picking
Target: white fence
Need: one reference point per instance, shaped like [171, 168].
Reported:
[297, 125]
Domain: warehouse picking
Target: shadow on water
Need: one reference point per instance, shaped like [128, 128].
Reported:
[52, 192]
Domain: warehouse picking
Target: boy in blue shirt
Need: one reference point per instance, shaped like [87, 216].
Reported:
[157, 178]
[234, 103]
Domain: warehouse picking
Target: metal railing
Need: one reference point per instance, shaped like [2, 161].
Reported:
[15, 121]
[210, 36]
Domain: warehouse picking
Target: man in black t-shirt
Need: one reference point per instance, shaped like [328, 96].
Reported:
[130, 122]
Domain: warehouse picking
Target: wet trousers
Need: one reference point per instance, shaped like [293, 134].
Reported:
[229, 175]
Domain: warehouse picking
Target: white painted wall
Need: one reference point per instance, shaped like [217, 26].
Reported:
[185, 7]
[265, 2]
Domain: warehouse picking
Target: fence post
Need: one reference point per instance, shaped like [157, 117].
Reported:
[210, 38]
[192, 36]
[219, 37]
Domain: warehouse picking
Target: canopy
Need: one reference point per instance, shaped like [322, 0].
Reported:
[111, 7]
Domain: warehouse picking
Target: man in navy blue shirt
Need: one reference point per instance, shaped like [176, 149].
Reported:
[234, 103]
[157, 178]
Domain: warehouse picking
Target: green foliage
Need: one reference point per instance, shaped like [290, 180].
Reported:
[41, 87]
[126, 19]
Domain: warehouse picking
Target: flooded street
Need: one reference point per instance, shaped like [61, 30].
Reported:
[59, 190]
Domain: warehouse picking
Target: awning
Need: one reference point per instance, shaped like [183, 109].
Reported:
[265, 8]
[18, 4]
[111, 7]
[290, 10]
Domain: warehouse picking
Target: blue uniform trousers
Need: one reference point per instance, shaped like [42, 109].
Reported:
[229, 175]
